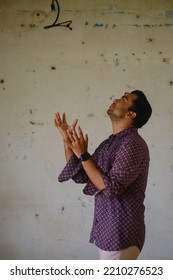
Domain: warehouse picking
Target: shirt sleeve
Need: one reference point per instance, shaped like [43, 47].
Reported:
[90, 188]
[129, 162]
[73, 170]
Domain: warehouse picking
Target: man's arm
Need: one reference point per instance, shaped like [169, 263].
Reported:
[68, 151]
[78, 145]
[93, 173]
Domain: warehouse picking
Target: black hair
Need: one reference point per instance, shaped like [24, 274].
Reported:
[142, 108]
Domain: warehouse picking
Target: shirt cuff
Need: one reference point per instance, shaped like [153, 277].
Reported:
[90, 189]
[71, 169]
[111, 190]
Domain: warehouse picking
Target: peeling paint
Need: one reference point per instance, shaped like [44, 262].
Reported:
[169, 14]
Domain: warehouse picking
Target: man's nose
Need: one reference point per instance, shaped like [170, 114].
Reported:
[115, 100]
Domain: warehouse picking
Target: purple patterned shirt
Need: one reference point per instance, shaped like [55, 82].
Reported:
[123, 160]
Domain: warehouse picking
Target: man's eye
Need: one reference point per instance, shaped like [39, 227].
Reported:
[123, 97]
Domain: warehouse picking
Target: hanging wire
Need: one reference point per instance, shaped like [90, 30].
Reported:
[60, 24]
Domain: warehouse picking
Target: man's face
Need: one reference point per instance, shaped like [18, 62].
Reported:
[120, 107]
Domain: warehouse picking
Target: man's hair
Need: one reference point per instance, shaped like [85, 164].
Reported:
[142, 108]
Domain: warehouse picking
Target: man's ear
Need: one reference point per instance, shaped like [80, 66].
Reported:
[131, 115]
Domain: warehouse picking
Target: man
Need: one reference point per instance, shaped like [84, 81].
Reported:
[116, 174]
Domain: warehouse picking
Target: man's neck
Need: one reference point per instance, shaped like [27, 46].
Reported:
[118, 127]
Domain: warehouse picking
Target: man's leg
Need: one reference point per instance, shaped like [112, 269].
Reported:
[130, 253]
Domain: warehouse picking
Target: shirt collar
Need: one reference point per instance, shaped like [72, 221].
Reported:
[124, 132]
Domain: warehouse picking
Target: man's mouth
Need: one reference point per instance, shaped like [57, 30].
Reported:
[113, 104]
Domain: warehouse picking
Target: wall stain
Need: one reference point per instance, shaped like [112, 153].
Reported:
[112, 97]
[37, 217]
[36, 123]
[102, 55]
[116, 62]
[90, 115]
[169, 14]
[149, 40]
[83, 204]
[2, 81]
[53, 68]
[33, 25]
[171, 83]
[39, 15]
[166, 59]
[62, 209]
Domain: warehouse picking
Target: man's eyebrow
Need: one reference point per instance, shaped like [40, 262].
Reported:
[124, 96]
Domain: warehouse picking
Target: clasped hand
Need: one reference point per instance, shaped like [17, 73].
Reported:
[77, 141]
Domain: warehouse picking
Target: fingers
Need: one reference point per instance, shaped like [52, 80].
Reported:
[71, 135]
[86, 138]
[75, 135]
[64, 118]
[72, 127]
[57, 119]
[80, 132]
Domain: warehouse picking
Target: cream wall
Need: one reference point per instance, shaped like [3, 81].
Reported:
[114, 46]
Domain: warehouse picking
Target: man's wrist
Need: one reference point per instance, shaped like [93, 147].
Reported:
[85, 156]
